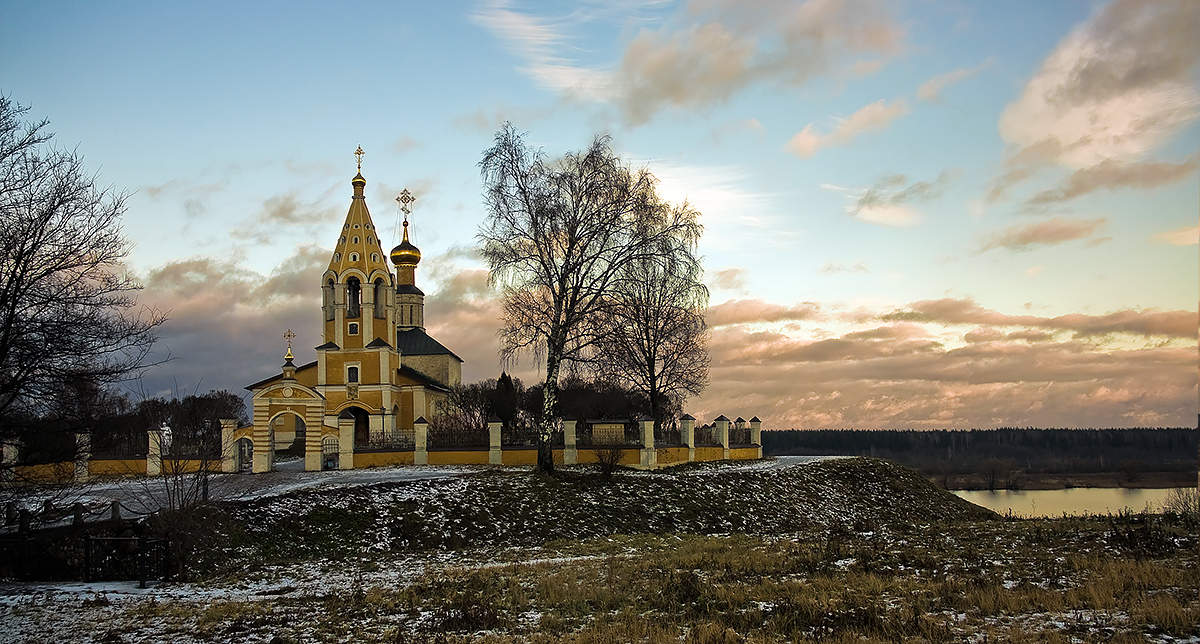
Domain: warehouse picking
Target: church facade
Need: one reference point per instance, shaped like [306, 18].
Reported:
[377, 372]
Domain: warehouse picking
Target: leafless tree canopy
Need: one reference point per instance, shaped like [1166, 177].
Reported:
[557, 238]
[68, 308]
[655, 338]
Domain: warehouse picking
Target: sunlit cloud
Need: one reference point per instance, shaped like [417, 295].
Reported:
[870, 118]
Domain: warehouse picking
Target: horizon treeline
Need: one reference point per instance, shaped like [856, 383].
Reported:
[1042, 450]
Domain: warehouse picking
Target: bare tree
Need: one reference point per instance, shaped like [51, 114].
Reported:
[656, 340]
[556, 238]
[67, 305]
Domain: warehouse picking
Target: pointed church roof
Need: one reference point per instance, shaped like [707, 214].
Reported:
[358, 242]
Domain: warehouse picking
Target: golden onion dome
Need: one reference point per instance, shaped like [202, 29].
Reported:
[405, 253]
[358, 180]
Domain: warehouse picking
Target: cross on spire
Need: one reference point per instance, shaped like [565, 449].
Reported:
[358, 154]
[288, 336]
[405, 200]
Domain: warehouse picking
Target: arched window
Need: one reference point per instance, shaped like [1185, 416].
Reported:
[351, 374]
[380, 299]
[353, 297]
[330, 299]
[356, 240]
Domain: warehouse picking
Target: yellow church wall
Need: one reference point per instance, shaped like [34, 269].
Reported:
[743, 453]
[709, 453]
[672, 455]
[458, 457]
[368, 366]
[117, 467]
[629, 456]
[45, 472]
[381, 459]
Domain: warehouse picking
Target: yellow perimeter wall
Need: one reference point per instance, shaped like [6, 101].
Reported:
[379, 459]
[117, 467]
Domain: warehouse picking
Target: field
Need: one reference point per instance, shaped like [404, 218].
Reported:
[830, 550]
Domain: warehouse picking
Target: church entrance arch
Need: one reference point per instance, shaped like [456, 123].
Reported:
[245, 455]
[362, 424]
[329, 453]
[285, 441]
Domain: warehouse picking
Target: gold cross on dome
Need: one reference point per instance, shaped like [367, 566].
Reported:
[405, 200]
[358, 154]
[288, 336]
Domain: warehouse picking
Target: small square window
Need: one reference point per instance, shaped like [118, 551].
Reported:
[354, 328]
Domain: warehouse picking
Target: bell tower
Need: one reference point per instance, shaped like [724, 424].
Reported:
[410, 300]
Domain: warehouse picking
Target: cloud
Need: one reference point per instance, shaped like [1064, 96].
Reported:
[754, 311]
[1044, 233]
[832, 267]
[1115, 88]
[888, 201]
[1110, 175]
[882, 378]
[1186, 236]
[283, 212]
[730, 279]
[709, 51]
[1175, 324]
[405, 144]
[870, 118]
[931, 90]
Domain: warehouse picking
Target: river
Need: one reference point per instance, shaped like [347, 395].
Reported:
[1080, 500]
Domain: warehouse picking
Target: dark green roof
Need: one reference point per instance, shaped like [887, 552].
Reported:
[415, 342]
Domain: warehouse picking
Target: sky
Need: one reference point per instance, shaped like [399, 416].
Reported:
[917, 214]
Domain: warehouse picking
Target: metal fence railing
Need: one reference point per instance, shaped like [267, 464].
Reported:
[739, 436]
[393, 442]
[708, 437]
[466, 438]
[598, 433]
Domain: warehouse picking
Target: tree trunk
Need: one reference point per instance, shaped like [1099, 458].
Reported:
[545, 459]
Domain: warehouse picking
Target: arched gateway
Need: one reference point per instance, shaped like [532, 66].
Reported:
[377, 370]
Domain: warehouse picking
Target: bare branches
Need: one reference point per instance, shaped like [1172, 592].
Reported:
[68, 308]
[559, 239]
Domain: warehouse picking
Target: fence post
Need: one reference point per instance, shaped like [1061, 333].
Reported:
[83, 454]
[723, 433]
[756, 434]
[687, 431]
[77, 511]
[10, 452]
[228, 445]
[153, 452]
[495, 456]
[345, 443]
[420, 440]
[10, 513]
[570, 452]
[116, 510]
[649, 454]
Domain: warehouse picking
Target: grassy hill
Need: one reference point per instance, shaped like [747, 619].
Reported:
[506, 508]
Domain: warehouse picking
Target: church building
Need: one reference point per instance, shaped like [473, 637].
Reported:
[377, 371]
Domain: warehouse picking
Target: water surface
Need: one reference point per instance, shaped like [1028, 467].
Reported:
[1080, 500]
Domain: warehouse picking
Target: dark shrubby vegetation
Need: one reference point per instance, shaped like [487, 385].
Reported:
[998, 453]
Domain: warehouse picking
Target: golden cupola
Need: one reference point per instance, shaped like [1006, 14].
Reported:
[405, 253]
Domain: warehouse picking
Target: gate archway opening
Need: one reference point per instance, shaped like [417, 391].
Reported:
[245, 455]
[329, 453]
[362, 424]
[287, 440]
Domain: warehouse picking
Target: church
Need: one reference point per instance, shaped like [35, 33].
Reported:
[377, 371]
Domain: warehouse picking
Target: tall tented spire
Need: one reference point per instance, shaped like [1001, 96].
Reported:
[358, 243]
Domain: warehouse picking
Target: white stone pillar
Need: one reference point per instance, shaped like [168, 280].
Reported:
[419, 403]
[649, 454]
[570, 452]
[153, 452]
[11, 452]
[723, 432]
[687, 431]
[756, 434]
[83, 454]
[345, 443]
[495, 455]
[228, 445]
[420, 438]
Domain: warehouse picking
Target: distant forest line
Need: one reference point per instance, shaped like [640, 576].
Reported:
[1001, 451]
